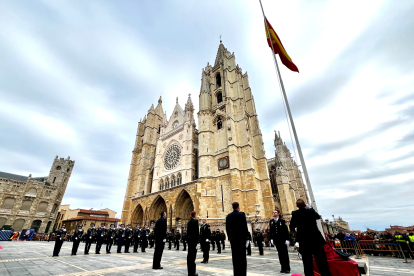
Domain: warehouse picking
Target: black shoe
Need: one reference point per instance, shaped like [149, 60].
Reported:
[86, 253]
[285, 271]
[158, 267]
[218, 252]
[196, 274]
[183, 250]
[97, 253]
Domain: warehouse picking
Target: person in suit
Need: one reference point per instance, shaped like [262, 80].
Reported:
[279, 237]
[89, 238]
[101, 233]
[193, 238]
[110, 236]
[205, 237]
[249, 246]
[309, 239]
[60, 238]
[77, 236]
[160, 231]
[236, 228]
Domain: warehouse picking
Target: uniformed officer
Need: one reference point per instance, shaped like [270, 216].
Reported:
[213, 240]
[110, 236]
[249, 245]
[128, 238]
[223, 239]
[218, 241]
[151, 239]
[184, 239]
[170, 238]
[177, 240]
[259, 239]
[77, 236]
[193, 239]
[144, 238]
[279, 237]
[137, 234]
[101, 233]
[121, 237]
[60, 238]
[116, 236]
[205, 237]
[90, 237]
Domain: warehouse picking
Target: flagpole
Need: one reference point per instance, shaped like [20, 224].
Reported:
[302, 160]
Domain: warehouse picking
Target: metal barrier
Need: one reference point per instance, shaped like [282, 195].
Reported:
[369, 247]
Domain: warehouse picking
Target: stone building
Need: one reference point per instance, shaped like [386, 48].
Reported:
[31, 202]
[177, 168]
[286, 179]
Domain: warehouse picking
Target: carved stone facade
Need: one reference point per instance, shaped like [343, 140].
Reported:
[205, 170]
[286, 179]
[32, 202]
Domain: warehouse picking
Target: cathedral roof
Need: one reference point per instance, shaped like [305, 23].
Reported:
[13, 176]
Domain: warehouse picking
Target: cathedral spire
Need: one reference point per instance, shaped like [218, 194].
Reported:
[221, 52]
[189, 105]
[159, 110]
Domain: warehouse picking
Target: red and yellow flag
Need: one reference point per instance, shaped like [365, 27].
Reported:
[278, 48]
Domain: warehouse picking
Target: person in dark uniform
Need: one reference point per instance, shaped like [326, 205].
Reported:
[160, 231]
[279, 237]
[259, 238]
[60, 238]
[217, 241]
[236, 228]
[184, 239]
[205, 237]
[213, 240]
[177, 240]
[193, 238]
[110, 236]
[170, 239]
[137, 234]
[309, 239]
[144, 238]
[128, 238]
[151, 239]
[77, 236]
[121, 237]
[249, 245]
[223, 239]
[101, 233]
[89, 238]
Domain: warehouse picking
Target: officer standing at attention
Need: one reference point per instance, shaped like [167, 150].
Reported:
[236, 228]
[193, 239]
[128, 238]
[205, 236]
[144, 238]
[160, 231]
[170, 238]
[185, 240]
[101, 233]
[259, 239]
[60, 238]
[217, 241]
[137, 234]
[249, 245]
[223, 239]
[213, 240]
[151, 239]
[177, 240]
[121, 236]
[110, 236]
[77, 236]
[279, 237]
[90, 236]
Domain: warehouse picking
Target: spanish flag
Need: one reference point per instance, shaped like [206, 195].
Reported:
[278, 48]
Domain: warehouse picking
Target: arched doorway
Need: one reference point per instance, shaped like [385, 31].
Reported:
[157, 207]
[48, 226]
[36, 225]
[183, 207]
[137, 216]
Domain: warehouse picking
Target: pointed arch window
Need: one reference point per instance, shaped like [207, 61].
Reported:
[219, 98]
[167, 183]
[219, 123]
[172, 181]
[218, 80]
[161, 185]
[179, 179]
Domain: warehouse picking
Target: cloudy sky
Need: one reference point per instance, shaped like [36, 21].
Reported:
[77, 76]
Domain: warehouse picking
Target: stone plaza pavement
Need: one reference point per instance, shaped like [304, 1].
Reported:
[35, 258]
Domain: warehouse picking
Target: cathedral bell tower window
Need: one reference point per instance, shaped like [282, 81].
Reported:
[219, 123]
[218, 80]
[219, 98]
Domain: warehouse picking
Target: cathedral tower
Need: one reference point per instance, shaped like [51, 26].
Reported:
[232, 163]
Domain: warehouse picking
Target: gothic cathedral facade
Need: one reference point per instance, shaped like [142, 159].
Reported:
[178, 168]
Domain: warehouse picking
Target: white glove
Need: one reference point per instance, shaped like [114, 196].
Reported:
[198, 246]
[297, 244]
[90, 237]
[287, 243]
[164, 240]
[76, 238]
[207, 240]
[263, 243]
[271, 241]
[101, 235]
[247, 244]
[60, 238]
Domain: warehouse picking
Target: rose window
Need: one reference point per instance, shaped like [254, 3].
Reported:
[172, 157]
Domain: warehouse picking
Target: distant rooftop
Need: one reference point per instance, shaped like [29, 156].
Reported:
[20, 177]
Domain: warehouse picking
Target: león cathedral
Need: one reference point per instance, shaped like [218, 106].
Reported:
[177, 168]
